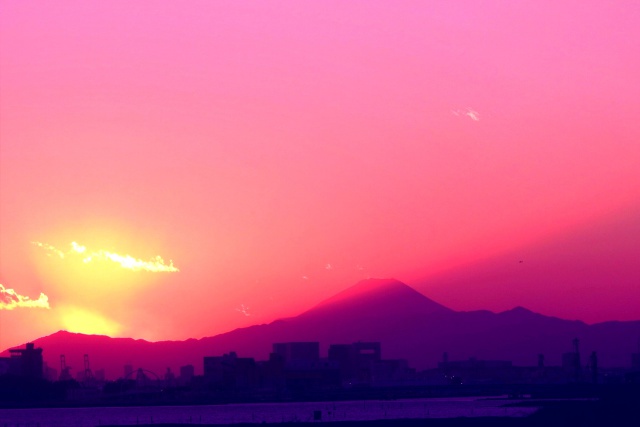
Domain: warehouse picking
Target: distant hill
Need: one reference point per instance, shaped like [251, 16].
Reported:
[408, 324]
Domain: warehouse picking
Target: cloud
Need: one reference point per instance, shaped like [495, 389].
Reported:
[474, 115]
[244, 310]
[10, 299]
[50, 249]
[469, 112]
[154, 265]
[328, 267]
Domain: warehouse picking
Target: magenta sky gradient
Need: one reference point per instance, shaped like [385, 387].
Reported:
[253, 143]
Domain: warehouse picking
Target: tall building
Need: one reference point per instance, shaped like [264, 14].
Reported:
[367, 351]
[298, 351]
[355, 360]
[230, 371]
[5, 363]
[26, 362]
[571, 361]
[169, 378]
[186, 374]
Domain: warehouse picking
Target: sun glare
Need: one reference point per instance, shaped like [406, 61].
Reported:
[75, 319]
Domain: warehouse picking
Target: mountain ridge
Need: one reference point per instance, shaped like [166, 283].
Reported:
[408, 324]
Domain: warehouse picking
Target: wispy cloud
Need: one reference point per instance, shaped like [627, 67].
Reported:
[473, 114]
[468, 112]
[244, 310]
[50, 249]
[154, 265]
[328, 266]
[10, 299]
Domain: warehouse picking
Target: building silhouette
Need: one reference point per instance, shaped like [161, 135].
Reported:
[26, 362]
[476, 371]
[356, 360]
[169, 378]
[229, 371]
[302, 368]
[571, 361]
[391, 372]
[298, 351]
[187, 373]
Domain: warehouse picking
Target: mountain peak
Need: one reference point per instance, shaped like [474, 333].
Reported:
[372, 285]
[380, 293]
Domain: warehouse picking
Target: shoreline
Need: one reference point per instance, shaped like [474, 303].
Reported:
[552, 413]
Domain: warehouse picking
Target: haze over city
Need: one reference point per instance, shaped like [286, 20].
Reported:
[174, 170]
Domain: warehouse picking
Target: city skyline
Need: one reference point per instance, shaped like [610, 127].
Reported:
[353, 361]
[408, 325]
[172, 171]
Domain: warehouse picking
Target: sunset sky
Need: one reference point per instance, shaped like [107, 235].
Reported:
[175, 169]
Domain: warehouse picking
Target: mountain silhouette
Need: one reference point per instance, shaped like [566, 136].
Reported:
[591, 270]
[379, 296]
[408, 324]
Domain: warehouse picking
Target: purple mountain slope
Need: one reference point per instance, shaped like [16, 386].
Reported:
[408, 324]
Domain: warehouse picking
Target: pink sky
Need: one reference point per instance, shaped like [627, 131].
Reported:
[254, 143]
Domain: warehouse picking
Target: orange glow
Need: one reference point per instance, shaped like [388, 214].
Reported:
[280, 152]
[75, 319]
